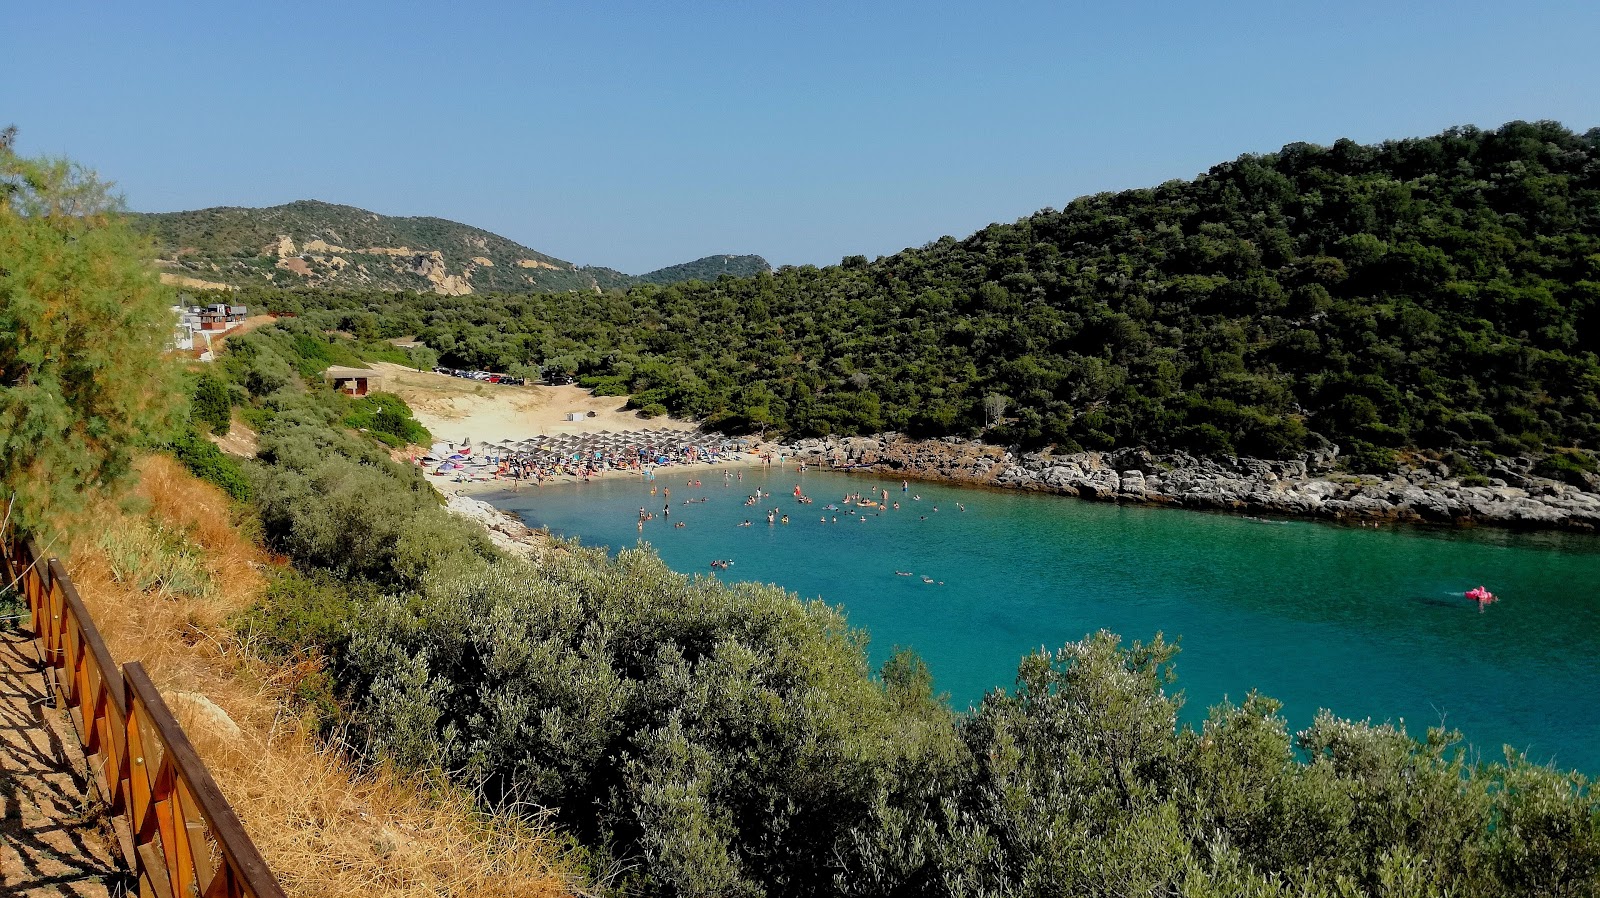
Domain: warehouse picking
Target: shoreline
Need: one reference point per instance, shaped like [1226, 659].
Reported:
[493, 485]
[1308, 488]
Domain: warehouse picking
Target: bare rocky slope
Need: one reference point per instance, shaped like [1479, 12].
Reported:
[309, 243]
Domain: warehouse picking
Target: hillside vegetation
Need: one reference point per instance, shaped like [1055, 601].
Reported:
[1436, 293]
[315, 244]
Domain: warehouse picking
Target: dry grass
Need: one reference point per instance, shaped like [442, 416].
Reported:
[323, 828]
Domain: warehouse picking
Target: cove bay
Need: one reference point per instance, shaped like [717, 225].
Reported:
[1367, 623]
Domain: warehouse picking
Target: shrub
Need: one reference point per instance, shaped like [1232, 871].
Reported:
[212, 405]
[1575, 468]
[387, 417]
[605, 386]
[1365, 458]
[206, 461]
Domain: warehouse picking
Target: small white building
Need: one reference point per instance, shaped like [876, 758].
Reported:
[187, 331]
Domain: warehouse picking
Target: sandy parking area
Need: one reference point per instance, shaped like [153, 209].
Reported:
[455, 408]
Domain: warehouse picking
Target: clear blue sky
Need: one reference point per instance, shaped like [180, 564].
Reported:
[640, 135]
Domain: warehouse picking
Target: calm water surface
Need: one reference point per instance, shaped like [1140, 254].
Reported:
[1367, 623]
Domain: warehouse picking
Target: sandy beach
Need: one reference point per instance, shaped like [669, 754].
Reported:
[456, 409]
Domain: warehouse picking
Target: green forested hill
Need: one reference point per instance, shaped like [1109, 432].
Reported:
[1433, 293]
[708, 269]
[315, 244]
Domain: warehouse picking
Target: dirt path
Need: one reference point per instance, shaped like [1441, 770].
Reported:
[50, 837]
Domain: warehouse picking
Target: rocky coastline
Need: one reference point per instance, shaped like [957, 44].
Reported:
[1310, 486]
[503, 528]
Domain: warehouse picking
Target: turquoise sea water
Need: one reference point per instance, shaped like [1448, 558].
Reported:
[1367, 623]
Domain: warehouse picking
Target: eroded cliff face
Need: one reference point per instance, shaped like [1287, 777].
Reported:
[1309, 486]
[320, 263]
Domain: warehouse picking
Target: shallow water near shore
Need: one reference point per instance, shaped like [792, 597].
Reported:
[1367, 623]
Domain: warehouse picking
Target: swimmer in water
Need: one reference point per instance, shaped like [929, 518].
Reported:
[960, 507]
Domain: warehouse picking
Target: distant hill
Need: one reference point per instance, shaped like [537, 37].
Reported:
[312, 243]
[708, 269]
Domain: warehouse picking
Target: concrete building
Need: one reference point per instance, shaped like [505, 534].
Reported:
[354, 381]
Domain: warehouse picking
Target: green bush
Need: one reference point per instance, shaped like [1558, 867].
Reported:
[206, 461]
[212, 405]
[388, 418]
[1576, 468]
[605, 386]
[1365, 458]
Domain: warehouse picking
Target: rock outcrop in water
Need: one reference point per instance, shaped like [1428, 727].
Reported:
[1309, 486]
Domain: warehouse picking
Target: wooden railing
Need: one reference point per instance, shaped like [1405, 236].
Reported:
[174, 829]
